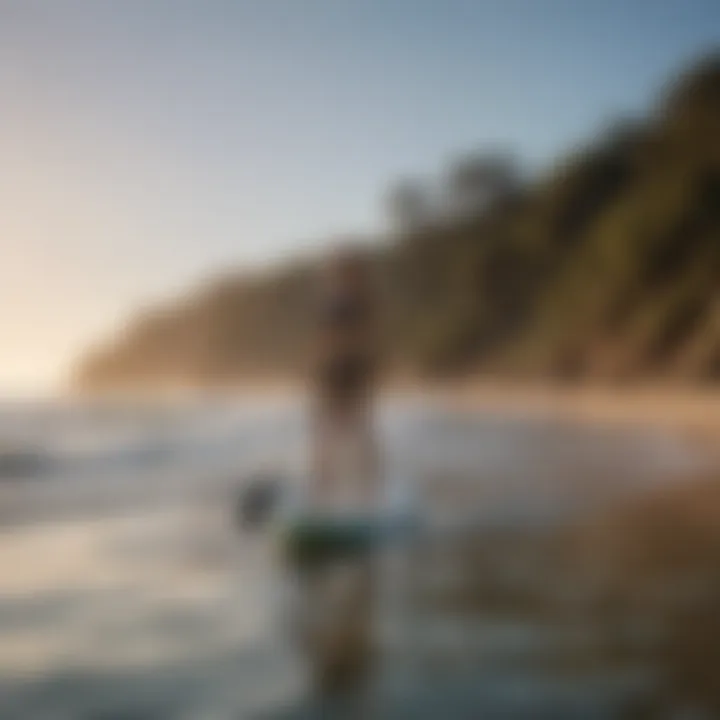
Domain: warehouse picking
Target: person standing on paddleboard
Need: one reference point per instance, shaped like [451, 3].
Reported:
[345, 457]
[345, 475]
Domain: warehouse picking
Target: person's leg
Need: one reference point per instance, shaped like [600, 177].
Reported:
[323, 449]
[340, 426]
[366, 460]
[371, 451]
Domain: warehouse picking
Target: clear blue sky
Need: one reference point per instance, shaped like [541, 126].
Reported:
[145, 144]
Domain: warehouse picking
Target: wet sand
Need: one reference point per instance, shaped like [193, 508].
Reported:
[686, 410]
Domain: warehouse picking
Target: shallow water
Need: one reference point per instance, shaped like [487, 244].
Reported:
[125, 590]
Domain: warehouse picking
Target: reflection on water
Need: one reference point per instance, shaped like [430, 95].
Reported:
[567, 573]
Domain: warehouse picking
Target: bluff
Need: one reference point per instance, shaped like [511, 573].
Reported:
[605, 266]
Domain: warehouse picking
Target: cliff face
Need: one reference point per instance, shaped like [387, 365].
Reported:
[609, 266]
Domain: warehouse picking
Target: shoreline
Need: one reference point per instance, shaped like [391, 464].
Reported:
[690, 411]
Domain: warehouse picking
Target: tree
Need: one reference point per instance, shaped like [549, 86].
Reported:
[479, 180]
[409, 206]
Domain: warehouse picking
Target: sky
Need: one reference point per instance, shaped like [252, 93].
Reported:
[147, 144]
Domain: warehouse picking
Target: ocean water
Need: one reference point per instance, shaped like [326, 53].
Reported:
[126, 590]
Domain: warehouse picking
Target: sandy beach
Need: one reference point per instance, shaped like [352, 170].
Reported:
[690, 411]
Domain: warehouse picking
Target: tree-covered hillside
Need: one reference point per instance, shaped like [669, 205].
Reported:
[607, 266]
